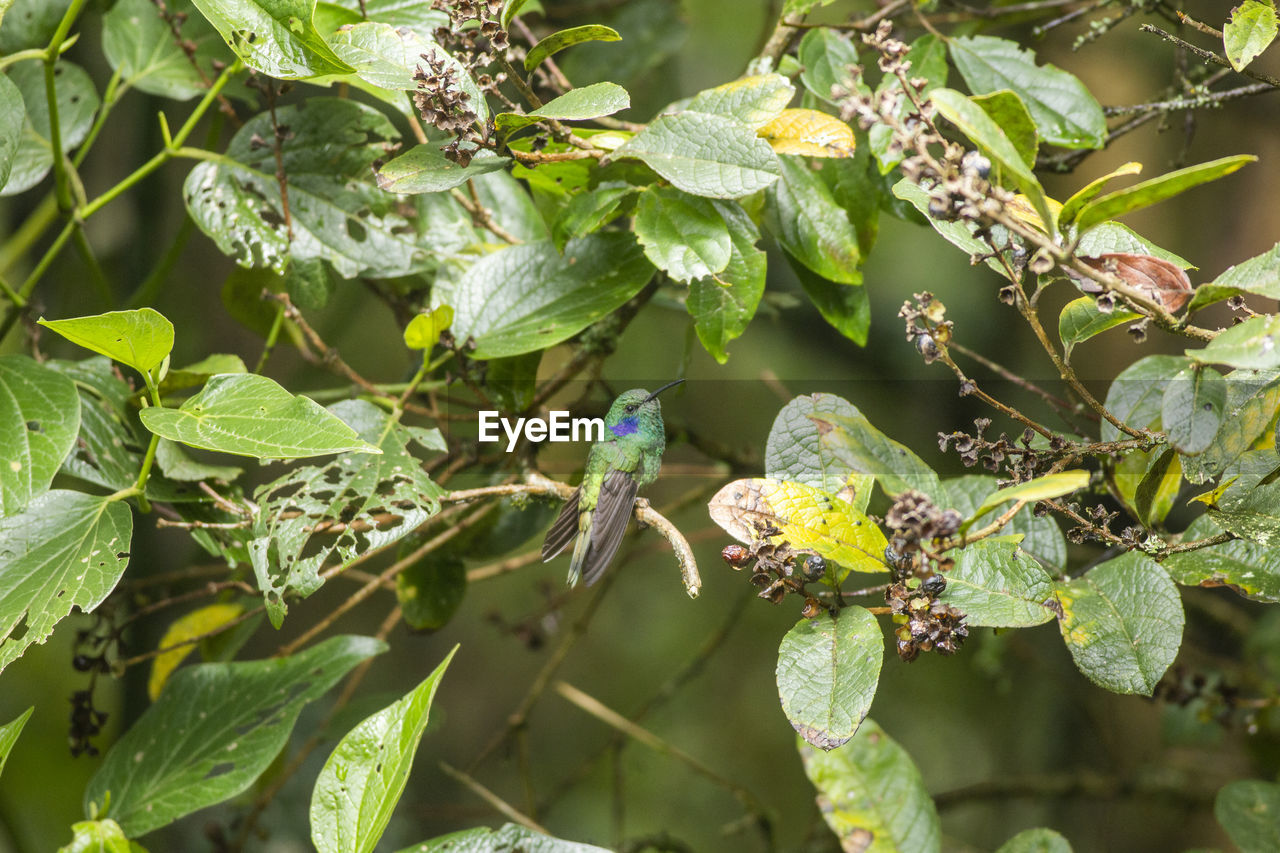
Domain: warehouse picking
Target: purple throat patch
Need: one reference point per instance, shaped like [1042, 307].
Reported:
[629, 426]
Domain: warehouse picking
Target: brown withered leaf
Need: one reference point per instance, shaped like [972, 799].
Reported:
[1160, 280]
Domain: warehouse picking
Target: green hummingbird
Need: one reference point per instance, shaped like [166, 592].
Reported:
[596, 514]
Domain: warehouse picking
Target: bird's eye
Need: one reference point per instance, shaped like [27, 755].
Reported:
[630, 410]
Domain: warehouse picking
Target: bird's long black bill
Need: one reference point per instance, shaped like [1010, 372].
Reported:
[663, 388]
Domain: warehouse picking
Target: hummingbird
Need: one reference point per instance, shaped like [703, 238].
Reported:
[596, 513]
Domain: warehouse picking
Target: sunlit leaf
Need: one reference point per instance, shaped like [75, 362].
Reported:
[808, 133]
[197, 623]
[424, 330]
[275, 37]
[1155, 190]
[1250, 31]
[557, 42]
[9, 735]
[705, 154]
[140, 339]
[582, 104]
[1090, 191]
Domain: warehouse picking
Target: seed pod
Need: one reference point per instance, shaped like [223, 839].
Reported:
[934, 585]
[814, 568]
[812, 608]
[736, 556]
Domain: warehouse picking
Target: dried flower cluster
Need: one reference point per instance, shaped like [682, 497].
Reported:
[927, 623]
[86, 721]
[1017, 460]
[474, 38]
[778, 569]
[927, 329]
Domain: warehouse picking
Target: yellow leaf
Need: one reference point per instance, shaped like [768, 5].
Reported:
[810, 519]
[194, 624]
[424, 330]
[1020, 208]
[809, 133]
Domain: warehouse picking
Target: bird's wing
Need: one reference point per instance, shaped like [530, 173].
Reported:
[609, 522]
[564, 529]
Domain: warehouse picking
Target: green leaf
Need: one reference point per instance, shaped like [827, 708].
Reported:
[412, 14]
[973, 120]
[705, 154]
[99, 836]
[1122, 622]
[1249, 810]
[1260, 275]
[424, 330]
[526, 298]
[795, 449]
[250, 415]
[752, 100]
[77, 104]
[1065, 112]
[141, 339]
[1039, 840]
[65, 550]
[275, 37]
[364, 776]
[1136, 396]
[1192, 408]
[1253, 513]
[856, 443]
[804, 217]
[9, 735]
[430, 591]
[587, 212]
[213, 732]
[846, 307]
[997, 585]
[509, 10]
[39, 420]
[31, 23]
[1087, 193]
[1009, 113]
[826, 57]
[557, 42]
[140, 44]
[1252, 399]
[509, 203]
[194, 375]
[869, 792]
[1250, 31]
[812, 521]
[1156, 190]
[582, 104]
[510, 838]
[682, 234]
[1041, 488]
[1254, 343]
[1154, 495]
[1114, 238]
[337, 214]
[13, 115]
[1081, 319]
[723, 304]
[828, 668]
[1248, 569]
[379, 501]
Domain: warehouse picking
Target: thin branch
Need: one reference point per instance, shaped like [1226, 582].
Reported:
[499, 805]
[1209, 56]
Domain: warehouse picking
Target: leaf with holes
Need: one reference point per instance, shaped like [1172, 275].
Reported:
[39, 420]
[250, 415]
[869, 792]
[810, 520]
[378, 499]
[1250, 31]
[66, 549]
[362, 780]
[828, 668]
[336, 213]
[209, 736]
[275, 37]
[1122, 621]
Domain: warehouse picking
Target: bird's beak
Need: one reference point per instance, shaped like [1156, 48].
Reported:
[660, 390]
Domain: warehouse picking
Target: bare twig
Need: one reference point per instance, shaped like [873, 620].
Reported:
[499, 805]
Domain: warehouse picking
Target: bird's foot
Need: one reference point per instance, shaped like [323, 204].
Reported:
[641, 505]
